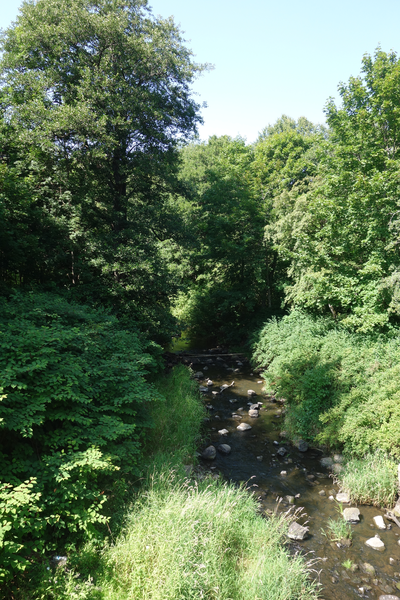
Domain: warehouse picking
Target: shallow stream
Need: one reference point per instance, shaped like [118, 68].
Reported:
[254, 460]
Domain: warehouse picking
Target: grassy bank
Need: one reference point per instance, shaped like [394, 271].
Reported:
[182, 538]
[342, 391]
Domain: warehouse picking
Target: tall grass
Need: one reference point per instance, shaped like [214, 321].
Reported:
[187, 540]
[177, 422]
[371, 480]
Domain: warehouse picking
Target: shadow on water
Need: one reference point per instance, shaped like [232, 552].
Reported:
[254, 459]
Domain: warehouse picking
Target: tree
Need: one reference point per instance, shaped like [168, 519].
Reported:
[286, 124]
[341, 233]
[94, 98]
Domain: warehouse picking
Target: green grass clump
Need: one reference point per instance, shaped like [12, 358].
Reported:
[337, 529]
[371, 480]
[202, 540]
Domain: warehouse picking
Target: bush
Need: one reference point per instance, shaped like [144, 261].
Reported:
[342, 389]
[74, 409]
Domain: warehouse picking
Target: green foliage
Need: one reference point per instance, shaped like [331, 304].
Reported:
[230, 276]
[341, 389]
[371, 479]
[74, 408]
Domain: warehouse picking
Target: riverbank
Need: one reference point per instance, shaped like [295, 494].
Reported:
[182, 537]
[340, 391]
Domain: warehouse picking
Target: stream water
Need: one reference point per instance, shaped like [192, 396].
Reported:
[254, 459]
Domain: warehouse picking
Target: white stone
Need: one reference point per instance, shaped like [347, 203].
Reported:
[251, 393]
[379, 522]
[375, 543]
[253, 413]
[351, 515]
[343, 497]
[283, 473]
[243, 427]
[223, 432]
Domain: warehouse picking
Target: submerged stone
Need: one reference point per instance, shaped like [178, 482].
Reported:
[281, 451]
[368, 569]
[224, 449]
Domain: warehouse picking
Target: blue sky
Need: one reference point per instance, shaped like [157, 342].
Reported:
[272, 58]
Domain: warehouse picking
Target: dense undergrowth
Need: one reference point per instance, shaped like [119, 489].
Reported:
[341, 389]
[181, 538]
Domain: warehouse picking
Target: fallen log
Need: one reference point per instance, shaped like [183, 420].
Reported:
[225, 387]
[389, 515]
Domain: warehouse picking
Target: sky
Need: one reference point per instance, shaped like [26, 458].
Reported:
[272, 57]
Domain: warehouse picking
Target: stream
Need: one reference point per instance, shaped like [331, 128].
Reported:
[254, 460]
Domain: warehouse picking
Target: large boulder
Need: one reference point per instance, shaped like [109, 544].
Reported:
[343, 497]
[254, 413]
[379, 522]
[375, 543]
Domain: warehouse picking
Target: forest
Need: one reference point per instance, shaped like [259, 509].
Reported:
[120, 229]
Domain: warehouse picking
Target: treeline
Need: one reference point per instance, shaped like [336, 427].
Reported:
[306, 217]
[119, 228]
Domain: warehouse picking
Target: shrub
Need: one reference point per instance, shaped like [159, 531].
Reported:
[342, 389]
[74, 409]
